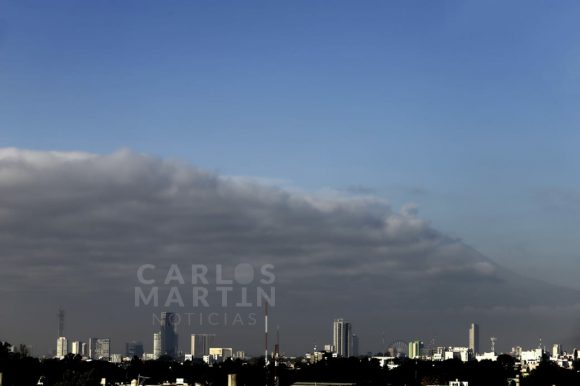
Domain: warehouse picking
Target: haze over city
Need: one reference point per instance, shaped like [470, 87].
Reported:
[410, 168]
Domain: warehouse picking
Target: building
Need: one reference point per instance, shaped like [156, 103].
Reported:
[220, 354]
[148, 356]
[156, 345]
[486, 356]
[415, 348]
[84, 349]
[116, 358]
[474, 338]
[168, 331]
[76, 348]
[342, 338]
[534, 355]
[92, 353]
[103, 348]
[134, 349]
[328, 348]
[61, 347]
[354, 351]
[200, 344]
[556, 351]
[462, 353]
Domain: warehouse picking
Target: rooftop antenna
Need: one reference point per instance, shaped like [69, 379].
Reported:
[277, 346]
[266, 340]
[276, 356]
[266, 332]
[493, 340]
[60, 322]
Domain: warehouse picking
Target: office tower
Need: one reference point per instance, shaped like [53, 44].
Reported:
[156, 345]
[61, 347]
[556, 351]
[134, 349]
[415, 348]
[103, 348]
[342, 332]
[200, 344]
[354, 351]
[75, 348]
[168, 331]
[83, 349]
[92, 353]
[474, 338]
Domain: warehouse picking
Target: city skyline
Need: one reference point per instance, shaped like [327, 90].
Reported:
[344, 344]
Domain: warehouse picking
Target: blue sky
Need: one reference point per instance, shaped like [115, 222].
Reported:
[469, 109]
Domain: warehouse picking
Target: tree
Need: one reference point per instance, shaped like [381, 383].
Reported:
[75, 378]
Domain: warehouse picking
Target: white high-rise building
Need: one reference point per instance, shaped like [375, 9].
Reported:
[342, 338]
[556, 351]
[75, 348]
[474, 338]
[156, 345]
[61, 347]
[200, 344]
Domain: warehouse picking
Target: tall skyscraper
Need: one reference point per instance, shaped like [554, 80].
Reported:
[556, 350]
[354, 350]
[92, 353]
[168, 331]
[156, 345]
[415, 348]
[200, 344]
[474, 338]
[75, 348]
[61, 347]
[342, 335]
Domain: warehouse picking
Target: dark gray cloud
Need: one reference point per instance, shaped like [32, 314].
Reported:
[74, 228]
